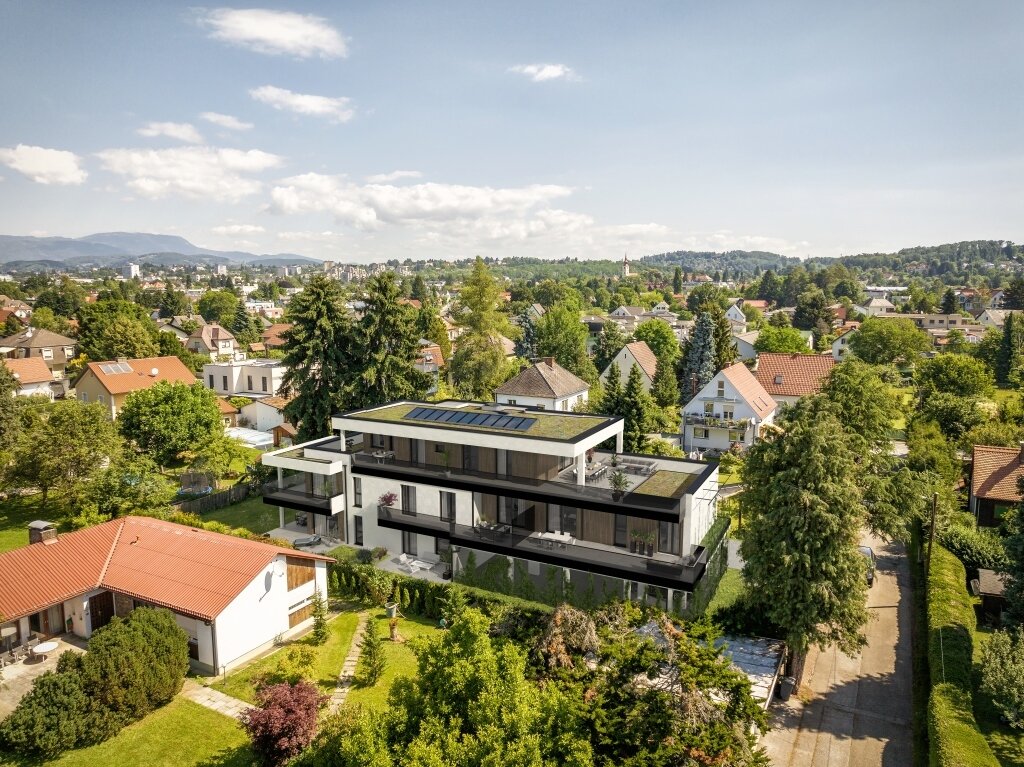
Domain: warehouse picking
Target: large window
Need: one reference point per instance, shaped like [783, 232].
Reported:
[357, 492]
[701, 433]
[264, 383]
[441, 545]
[668, 537]
[470, 457]
[620, 530]
[248, 383]
[408, 499]
[447, 506]
[359, 531]
[568, 522]
[224, 382]
[377, 440]
[408, 543]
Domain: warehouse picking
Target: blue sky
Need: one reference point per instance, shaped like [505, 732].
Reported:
[366, 131]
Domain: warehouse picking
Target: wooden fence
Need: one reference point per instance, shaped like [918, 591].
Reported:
[215, 501]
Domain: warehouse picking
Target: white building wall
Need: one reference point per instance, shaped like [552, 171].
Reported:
[565, 404]
[28, 390]
[259, 613]
[262, 417]
[625, 360]
[700, 510]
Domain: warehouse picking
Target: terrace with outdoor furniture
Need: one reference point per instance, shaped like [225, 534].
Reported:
[21, 666]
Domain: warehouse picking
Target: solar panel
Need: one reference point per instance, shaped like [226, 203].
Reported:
[469, 418]
[112, 368]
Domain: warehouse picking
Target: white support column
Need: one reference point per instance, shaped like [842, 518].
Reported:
[618, 442]
[581, 469]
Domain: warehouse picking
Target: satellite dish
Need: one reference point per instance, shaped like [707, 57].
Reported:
[153, 372]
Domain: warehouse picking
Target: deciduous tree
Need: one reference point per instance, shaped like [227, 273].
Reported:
[168, 419]
[610, 341]
[784, 340]
[284, 722]
[885, 341]
[560, 334]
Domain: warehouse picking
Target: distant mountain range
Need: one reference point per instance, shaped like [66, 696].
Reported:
[115, 249]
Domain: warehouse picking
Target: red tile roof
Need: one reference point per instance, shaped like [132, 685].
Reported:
[225, 407]
[995, 472]
[749, 389]
[30, 370]
[190, 571]
[792, 375]
[272, 335]
[170, 369]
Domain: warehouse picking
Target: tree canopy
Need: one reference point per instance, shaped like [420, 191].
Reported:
[168, 419]
[885, 341]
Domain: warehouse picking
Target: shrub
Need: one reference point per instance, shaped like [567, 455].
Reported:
[333, 586]
[133, 665]
[284, 722]
[953, 735]
[975, 548]
[1002, 674]
[371, 657]
[294, 665]
[379, 553]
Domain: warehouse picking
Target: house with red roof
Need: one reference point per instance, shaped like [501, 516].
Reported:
[109, 383]
[728, 412]
[233, 597]
[994, 475]
[788, 377]
[32, 376]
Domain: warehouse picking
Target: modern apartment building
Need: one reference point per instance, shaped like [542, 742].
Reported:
[521, 494]
[246, 377]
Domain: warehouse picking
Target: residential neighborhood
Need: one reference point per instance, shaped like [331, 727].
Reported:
[408, 385]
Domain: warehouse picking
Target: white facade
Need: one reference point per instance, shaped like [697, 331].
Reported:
[131, 271]
[626, 360]
[261, 416]
[744, 343]
[841, 346]
[246, 378]
[566, 403]
[735, 313]
[720, 416]
[41, 388]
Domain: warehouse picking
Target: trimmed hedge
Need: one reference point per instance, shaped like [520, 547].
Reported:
[954, 739]
[976, 548]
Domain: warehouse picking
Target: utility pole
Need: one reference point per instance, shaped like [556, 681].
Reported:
[931, 535]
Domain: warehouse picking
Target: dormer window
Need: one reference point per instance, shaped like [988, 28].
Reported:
[47, 354]
[778, 378]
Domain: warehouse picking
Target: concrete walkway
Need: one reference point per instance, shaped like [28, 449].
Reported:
[213, 699]
[858, 710]
[348, 668]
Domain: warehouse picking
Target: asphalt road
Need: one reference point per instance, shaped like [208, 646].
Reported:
[858, 710]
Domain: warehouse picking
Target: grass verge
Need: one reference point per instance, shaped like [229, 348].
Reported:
[252, 514]
[400, 659]
[15, 514]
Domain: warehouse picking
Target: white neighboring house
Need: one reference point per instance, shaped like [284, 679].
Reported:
[635, 353]
[32, 376]
[995, 318]
[264, 414]
[545, 385]
[744, 343]
[735, 313]
[627, 311]
[841, 344]
[730, 410]
[233, 597]
[215, 341]
[876, 307]
[246, 378]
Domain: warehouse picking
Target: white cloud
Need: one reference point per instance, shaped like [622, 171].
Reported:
[180, 131]
[369, 206]
[540, 73]
[190, 172]
[44, 166]
[238, 229]
[337, 109]
[275, 32]
[395, 175]
[225, 121]
[310, 237]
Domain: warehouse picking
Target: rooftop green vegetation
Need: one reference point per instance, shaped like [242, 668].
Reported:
[563, 426]
[665, 484]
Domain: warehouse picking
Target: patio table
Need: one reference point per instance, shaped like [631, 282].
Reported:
[43, 649]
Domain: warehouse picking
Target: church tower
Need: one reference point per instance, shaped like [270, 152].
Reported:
[625, 265]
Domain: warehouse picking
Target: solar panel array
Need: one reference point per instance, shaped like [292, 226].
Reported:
[469, 418]
[116, 367]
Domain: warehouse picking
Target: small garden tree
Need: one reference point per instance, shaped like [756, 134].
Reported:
[371, 656]
[1002, 674]
[320, 631]
[284, 723]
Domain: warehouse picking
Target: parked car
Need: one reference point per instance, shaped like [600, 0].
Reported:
[869, 555]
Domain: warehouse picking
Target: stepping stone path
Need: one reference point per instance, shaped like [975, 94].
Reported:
[214, 699]
[348, 669]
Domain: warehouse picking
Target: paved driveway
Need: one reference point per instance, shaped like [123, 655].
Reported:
[859, 709]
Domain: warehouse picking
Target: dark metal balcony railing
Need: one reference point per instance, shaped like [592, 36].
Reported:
[663, 569]
[293, 494]
[543, 490]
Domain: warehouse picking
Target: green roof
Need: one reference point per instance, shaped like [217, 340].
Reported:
[665, 484]
[548, 425]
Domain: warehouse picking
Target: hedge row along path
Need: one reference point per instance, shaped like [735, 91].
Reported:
[348, 669]
[859, 709]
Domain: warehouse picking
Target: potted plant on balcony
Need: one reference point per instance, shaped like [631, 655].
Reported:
[636, 541]
[446, 457]
[619, 483]
[649, 540]
[387, 500]
[446, 557]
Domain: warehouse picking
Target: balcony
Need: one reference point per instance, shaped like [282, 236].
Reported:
[716, 420]
[294, 495]
[661, 500]
[558, 550]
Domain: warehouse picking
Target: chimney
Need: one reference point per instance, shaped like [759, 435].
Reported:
[40, 531]
[121, 359]
[549, 361]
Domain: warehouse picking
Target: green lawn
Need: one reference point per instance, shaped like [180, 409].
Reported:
[15, 514]
[729, 590]
[726, 478]
[344, 553]
[1006, 743]
[252, 514]
[181, 734]
[330, 657]
[400, 660]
